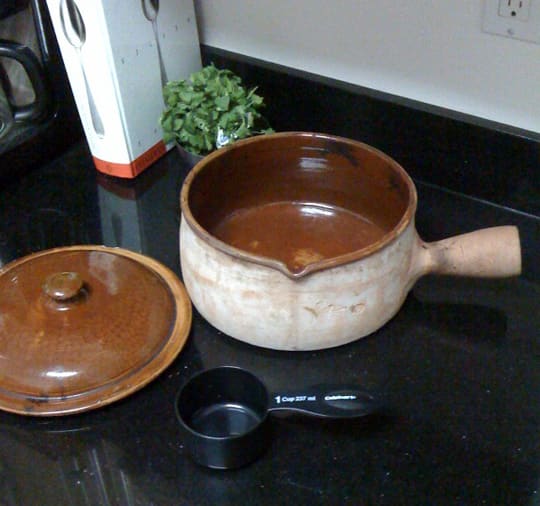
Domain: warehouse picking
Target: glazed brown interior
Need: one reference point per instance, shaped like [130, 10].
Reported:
[299, 199]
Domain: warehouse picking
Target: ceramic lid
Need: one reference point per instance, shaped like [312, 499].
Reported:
[83, 326]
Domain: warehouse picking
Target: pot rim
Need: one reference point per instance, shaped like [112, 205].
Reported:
[321, 265]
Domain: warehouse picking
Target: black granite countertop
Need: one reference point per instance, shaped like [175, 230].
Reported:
[458, 368]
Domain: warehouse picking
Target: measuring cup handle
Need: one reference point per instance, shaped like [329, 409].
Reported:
[31, 65]
[326, 401]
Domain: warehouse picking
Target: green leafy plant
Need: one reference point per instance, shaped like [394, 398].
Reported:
[209, 110]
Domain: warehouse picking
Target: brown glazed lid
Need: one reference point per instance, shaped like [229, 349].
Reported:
[84, 326]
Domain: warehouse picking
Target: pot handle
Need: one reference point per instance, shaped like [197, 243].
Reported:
[487, 253]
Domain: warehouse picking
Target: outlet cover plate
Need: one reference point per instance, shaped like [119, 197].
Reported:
[514, 27]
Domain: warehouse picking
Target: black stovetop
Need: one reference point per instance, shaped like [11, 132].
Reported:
[458, 368]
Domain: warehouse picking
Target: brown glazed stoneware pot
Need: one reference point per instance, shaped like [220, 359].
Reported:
[84, 326]
[301, 241]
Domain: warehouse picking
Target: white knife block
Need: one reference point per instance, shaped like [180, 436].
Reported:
[117, 60]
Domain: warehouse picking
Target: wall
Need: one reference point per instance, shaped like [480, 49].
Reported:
[431, 51]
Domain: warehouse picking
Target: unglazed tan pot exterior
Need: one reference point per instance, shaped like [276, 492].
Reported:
[333, 301]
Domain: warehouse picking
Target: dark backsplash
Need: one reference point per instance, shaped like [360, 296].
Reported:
[465, 154]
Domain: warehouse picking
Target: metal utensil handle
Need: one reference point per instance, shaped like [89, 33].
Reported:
[94, 114]
[70, 17]
[162, 70]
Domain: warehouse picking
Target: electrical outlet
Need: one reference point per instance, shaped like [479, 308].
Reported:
[518, 9]
[516, 19]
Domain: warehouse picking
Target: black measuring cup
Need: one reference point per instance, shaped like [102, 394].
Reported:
[223, 413]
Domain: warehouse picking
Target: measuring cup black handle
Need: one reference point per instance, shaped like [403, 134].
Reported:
[25, 56]
[326, 401]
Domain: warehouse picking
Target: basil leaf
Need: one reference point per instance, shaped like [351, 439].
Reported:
[212, 100]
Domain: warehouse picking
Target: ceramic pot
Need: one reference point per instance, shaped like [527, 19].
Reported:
[303, 241]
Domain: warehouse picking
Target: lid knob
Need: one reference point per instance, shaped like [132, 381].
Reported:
[63, 285]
